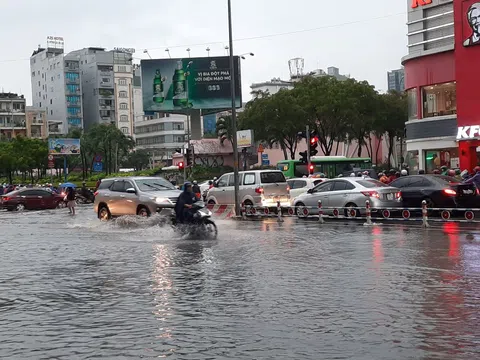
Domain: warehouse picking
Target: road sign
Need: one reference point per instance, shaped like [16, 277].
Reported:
[50, 157]
[98, 166]
[51, 164]
[260, 148]
[266, 162]
[264, 156]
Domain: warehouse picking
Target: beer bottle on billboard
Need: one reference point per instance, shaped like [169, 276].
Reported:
[158, 94]
[180, 98]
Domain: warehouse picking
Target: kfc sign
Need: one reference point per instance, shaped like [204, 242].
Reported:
[471, 25]
[417, 3]
[468, 132]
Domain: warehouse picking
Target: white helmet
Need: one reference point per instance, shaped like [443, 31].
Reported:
[352, 175]
[404, 172]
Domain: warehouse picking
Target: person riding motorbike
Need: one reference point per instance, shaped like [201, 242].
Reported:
[184, 204]
[475, 179]
[196, 190]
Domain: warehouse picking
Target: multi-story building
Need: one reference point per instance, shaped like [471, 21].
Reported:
[57, 88]
[161, 135]
[441, 80]
[36, 123]
[396, 80]
[138, 113]
[107, 79]
[12, 115]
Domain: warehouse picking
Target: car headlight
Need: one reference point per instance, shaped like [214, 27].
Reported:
[161, 200]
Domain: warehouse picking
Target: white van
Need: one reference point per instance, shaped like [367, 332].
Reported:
[257, 188]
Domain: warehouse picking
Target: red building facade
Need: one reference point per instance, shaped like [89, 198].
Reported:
[441, 80]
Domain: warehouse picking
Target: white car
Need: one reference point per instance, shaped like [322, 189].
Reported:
[302, 185]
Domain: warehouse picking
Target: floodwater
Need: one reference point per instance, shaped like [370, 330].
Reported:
[75, 288]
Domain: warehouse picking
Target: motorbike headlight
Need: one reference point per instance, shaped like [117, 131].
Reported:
[161, 200]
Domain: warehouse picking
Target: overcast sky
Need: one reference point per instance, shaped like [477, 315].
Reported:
[363, 38]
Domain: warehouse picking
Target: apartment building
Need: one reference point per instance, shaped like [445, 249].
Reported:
[12, 115]
[57, 88]
[36, 123]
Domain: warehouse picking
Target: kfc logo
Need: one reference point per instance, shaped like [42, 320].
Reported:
[473, 19]
[468, 132]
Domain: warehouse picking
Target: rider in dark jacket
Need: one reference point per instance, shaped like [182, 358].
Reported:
[184, 204]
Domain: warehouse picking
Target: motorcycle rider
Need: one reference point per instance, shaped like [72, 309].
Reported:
[196, 190]
[184, 204]
[475, 179]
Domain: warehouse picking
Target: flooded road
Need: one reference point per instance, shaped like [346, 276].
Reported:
[74, 288]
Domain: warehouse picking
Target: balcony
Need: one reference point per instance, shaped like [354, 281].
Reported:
[74, 103]
[73, 81]
[13, 125]
[69, 91]
[37, 122]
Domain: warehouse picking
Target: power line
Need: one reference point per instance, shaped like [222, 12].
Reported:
[283, 33]
[263, 36]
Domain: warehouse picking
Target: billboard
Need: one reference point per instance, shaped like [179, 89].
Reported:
[210, 125]
[471, 23]
[176, 85]
[64, 146]
[245, 138]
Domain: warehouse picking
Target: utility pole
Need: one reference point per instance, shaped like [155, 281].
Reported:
[307, 138]
[234, 112]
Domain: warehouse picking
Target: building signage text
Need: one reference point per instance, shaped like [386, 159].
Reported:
[55, 42]
[468, 132]
[125, 50]
[417, 3]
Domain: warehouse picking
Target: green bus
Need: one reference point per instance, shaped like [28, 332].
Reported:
[331, 166]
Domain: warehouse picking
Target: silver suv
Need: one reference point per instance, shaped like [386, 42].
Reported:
[141, 196]
[257, 188]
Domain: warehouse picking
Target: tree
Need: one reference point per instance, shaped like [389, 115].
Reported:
[224, 129]
[325, 101]
[392, 115]
[138, 160]
[276, 119]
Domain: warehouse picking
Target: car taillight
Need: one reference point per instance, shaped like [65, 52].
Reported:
[259, 190]
[6, 198]
[478, 191]
[450, 192]
[95, 193]
[398, 195]
[371, 194]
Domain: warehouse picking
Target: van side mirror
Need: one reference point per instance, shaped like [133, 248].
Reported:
[131, 191]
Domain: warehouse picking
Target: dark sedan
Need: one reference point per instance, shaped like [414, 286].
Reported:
[438, 191]
[31, 199]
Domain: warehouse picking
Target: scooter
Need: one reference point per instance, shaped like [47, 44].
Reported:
[201, 225]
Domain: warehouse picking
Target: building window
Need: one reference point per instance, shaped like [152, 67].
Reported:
[412, 104]
[125, 130]
[123, 118]
[180, 126]
[180, 139]
[435, 159]
[51, 112]
[439, 100]
[39, 83]
[124, 106]
[51, 102]
[122, 82]
[73, 110]
[123, 94]
[122, 68]
[106, 80]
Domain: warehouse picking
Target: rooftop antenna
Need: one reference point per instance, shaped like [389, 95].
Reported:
[296, 67]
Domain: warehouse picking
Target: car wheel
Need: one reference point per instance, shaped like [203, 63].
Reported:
[104, 214]
[348, 210]
[299, 208]
[20, 207]
[61, 205]
[143, 211]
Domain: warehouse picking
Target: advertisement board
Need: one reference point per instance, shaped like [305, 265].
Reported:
[209, 125]
[176, 85]
[55, 42]
[64, 146]
[245, 138]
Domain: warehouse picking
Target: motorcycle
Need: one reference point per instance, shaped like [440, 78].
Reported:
[201, 225]
[85, 197]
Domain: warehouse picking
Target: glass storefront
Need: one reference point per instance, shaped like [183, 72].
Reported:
[412, 104]
[412, 162]
[439, 100]
[435, 159]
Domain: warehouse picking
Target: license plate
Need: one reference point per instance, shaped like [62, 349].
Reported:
[468, 192]
[389, 196]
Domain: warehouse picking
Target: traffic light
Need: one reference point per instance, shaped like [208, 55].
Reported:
[313, 144]
[303, 157]
[181, 165]
[189, 156]
[311, 168]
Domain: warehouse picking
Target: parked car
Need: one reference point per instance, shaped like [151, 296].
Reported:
[301, 185]
[257, 188]
[346, 194]
[141, 196]
[438, 191]
[31, 199]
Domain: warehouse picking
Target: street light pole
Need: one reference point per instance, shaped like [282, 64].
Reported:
[234, 111]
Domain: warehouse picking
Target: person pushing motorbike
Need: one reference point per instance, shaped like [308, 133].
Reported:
[184, 204]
